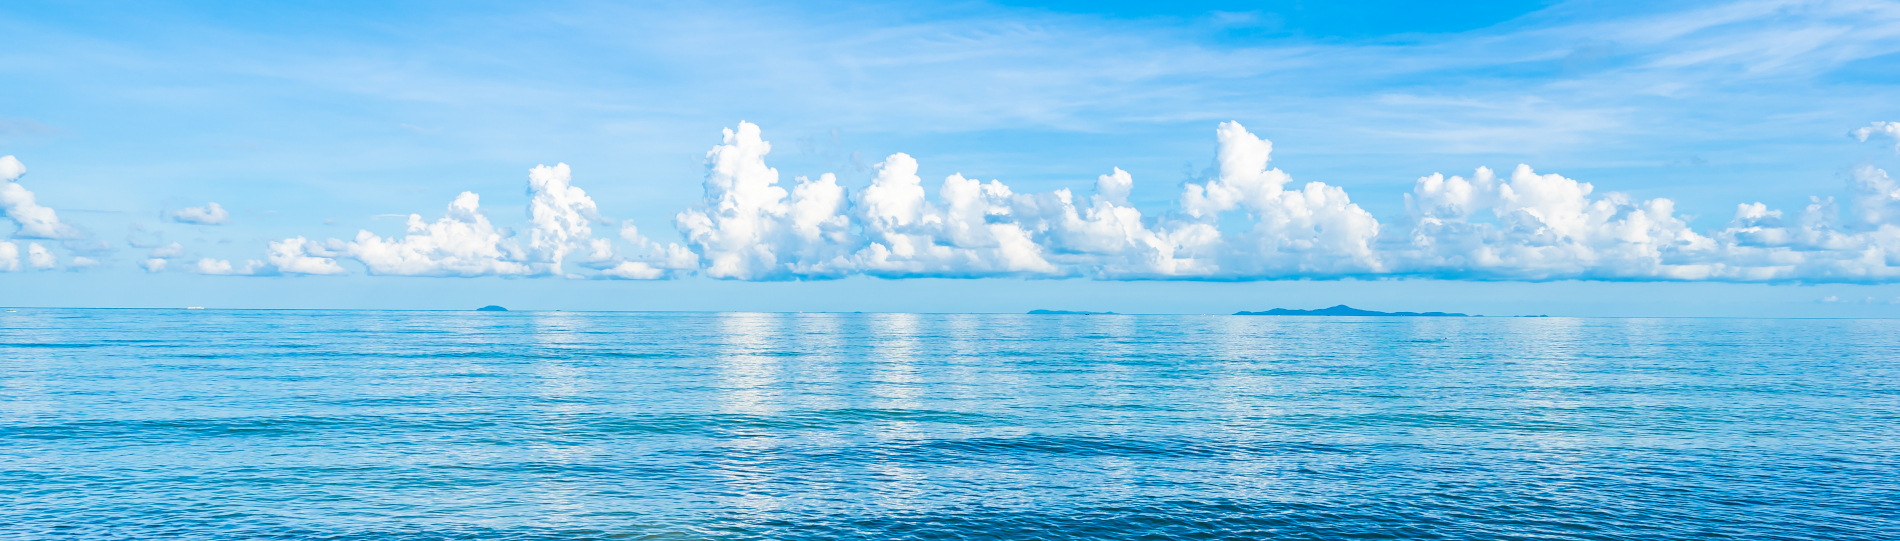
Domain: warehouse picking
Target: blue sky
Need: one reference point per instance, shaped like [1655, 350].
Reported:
[322, 120]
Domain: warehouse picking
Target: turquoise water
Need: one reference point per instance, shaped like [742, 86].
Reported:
[212, 424]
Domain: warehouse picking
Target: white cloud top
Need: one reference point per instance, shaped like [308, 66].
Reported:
[655, 261]
[11, 169]
[464, 243]
[210, 214]
[39, 258]
[169, 251]
[220, 266]
[1889, 129]
[461, 243]
[9, 257]
[560, 213]
[748, 229]
[1244, 220]
[34, 221]
[292, 256]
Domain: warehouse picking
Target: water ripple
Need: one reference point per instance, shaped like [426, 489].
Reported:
[119, 424]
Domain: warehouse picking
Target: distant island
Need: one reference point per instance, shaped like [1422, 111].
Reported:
[1068, 313]
[1343, 310]
[491, 308]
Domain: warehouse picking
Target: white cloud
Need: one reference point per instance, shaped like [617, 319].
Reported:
[560, 213]
[82, 262]
[747, 229]
[975, 228]
[9, 257]
[210, 214]
[462, 243]
[169, 251]
[221, 266]
[465, 243]
[18, 204]
[1243, 220]
[750, 228]
[1544, 227]
[1112, 234]
[213, 266]
[1566, 234]
[634, 270]
[291, 256]
[153, 265]
[11, 169]
[1876, 196]
[652, 261]
[1526, 226]
[38, 257]
[1830, 299]
[1312, 229]
[1889, 129]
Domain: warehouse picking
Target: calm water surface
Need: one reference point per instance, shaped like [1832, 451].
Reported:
[119, 424]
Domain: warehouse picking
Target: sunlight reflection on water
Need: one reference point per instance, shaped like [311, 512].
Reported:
[540, 425]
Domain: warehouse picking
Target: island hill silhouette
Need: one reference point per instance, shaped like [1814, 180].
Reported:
[491, 308]
[1343, 310]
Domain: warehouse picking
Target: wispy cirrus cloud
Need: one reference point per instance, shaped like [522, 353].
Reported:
[17, 129]
[955, 70]
[1589, 84]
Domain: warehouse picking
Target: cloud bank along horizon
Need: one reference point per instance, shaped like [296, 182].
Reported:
[1488, 226]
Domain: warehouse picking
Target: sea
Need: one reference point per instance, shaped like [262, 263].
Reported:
[390, 425]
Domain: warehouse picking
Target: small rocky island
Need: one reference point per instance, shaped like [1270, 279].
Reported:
[491, 308]
[1343, 310]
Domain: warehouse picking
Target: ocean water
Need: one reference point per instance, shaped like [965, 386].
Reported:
[161, 424]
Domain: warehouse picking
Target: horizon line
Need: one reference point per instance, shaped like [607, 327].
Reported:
[1469, 316]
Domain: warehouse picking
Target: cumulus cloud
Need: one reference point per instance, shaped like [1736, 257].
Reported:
[169, 251]
[973, 229]
[18, 204]
[649, 260]
[1543, 227]
[1312, 229]
[465, 243]
[210, 214]
[461, 243]
[39, 257]
[153, 265]
[750, 228]
[1876, 196]
[560, 213]
[224, 267]
[11, 169]
[84, 262]
[292, 256]
[9, 257]
[1889, 129]
[1242, 219]
[1520, 226]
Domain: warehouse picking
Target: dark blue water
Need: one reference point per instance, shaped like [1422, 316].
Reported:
[119, 424]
